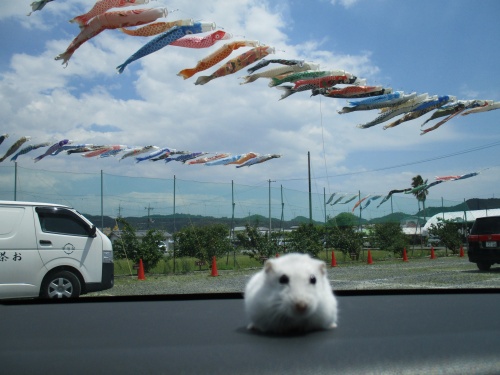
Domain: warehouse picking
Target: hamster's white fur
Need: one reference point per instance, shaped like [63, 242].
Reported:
[291, 293]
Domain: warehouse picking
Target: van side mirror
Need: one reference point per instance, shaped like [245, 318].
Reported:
[93, 230]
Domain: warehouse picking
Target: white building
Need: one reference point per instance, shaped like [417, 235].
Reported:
[464, 216]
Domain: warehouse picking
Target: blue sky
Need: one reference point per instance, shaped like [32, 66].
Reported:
[436, 47]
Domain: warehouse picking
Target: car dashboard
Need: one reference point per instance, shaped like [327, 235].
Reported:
[379, 332]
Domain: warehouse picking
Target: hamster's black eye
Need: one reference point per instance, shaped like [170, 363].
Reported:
[312, 279]
[284, 279]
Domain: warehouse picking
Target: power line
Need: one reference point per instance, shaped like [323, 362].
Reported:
[478, 148]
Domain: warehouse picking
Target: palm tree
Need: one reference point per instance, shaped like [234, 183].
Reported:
[420, 192]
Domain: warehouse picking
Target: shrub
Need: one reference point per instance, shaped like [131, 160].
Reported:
[389, 236]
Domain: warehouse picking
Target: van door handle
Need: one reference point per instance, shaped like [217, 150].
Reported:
[45, 242]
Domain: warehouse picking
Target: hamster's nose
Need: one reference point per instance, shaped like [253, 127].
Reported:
[301, 307]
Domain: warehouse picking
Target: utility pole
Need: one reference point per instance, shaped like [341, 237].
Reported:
[15, 180]
[282, 211]
[149, 208]
[269, 238]
[102, 201]
[309, 179]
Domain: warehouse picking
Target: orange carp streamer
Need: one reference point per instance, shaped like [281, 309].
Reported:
[111, 20]
[217, 57]
[103, 5]
[233, 65]
[244, 158]
[156, 28]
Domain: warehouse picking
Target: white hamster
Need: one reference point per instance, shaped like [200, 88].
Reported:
[291, 294]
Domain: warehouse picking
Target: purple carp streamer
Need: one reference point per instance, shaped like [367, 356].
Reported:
[53, 149]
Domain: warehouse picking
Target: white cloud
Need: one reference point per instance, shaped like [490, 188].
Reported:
[150, 104]
[344, 3]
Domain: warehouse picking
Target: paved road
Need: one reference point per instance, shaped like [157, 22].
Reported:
[451, 272]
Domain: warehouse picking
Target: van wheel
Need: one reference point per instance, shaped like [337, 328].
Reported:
[62, 284]
[483, 266]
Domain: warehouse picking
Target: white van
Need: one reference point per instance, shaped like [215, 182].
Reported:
[51, 251]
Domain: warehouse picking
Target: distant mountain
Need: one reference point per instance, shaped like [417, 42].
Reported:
[468, 205]
[171, 223]
[394, 217]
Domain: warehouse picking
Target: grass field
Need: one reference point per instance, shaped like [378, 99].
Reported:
[241, 262]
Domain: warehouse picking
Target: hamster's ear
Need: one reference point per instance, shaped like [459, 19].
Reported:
[268, 266]
[322, 268]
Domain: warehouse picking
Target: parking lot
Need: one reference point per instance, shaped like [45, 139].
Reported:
[423, 273]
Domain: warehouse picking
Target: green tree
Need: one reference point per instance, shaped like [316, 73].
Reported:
[345, 239]
[147, 249]
[128, 243]
[188, 242]
[202, 242]
[449, 232]
[257, 245]
[150, 250]
[419, 190]
[345, 219]
[217, 241]
[307, 238]
[389, 236]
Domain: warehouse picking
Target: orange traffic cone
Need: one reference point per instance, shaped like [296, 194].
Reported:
[140, 271]
[334, 262]
[405, 257]
[462, 252]
[370, 260]
[214, 267]
[433, 254]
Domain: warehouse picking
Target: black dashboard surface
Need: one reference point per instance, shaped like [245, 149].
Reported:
[412, 333]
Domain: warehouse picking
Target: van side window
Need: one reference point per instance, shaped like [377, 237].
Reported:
[61, 221]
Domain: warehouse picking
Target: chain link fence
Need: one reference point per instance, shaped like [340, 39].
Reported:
[108, 195]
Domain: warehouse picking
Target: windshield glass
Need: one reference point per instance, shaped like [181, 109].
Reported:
[348, 130]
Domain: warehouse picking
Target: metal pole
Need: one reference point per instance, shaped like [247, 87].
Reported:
[232, 210]
[269, 237]
[359, 221]
[324, 201]
[309, 179]
[232, 223]
[174, 224]
[102, 202]
[282, 210]
[15, 180]
[326, 230]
